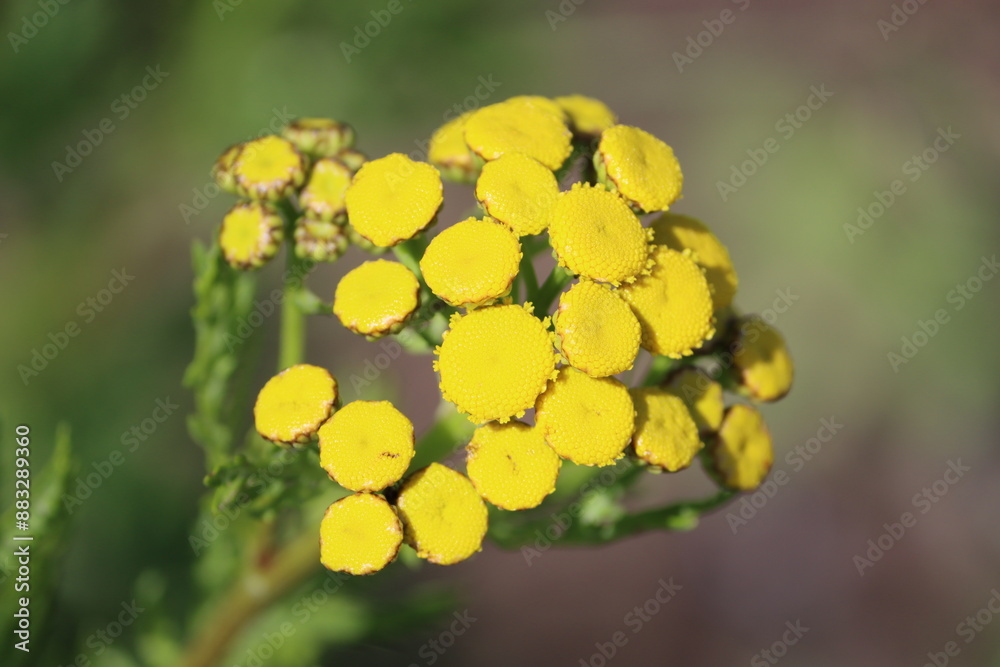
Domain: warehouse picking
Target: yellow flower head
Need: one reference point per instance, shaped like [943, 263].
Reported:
[597, 331]
[511, 465]
[251, 234]
[323, 196]
[319, 137]
[222, 170]
[471, 263]
[673, 304]
[319, 241]
[701, 394]
[586, 420]
[763, 361]
[376, 298]
[681, 232]
[495, 361]
[393, 198]
[443, 517]
[588, 117]
[292, 405]
[519, 191]
[596, 235]
[639, 166]
[269, 168]
[541, 102]
[742, 452]
[359, 534]
[665, 433]
[449, 152]
[366, 445]
[519, 126]
[351, 158]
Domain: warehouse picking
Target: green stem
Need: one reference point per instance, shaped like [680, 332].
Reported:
[409, 253]
[528, 276]
[658, 371]
[449, 431]
[550, 289]
[292, 344]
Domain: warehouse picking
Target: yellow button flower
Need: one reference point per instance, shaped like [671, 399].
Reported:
[511, 465]
[519, 191]
[359, 534]
[251, 234]
[640, 166]
[222, 170]
[673, 304]
[292, 405]
[742, 452]
[518, 126]
[471, 263]
[444, 518]
[588, 117]
[701, 394]
[681, 232]
[366, 445]
[586, 420]
[319, 241]
[319, 137]
[323, 196]
[448, 151]
[495, 361]
[597, 331]
[269, 168]
[376, 298]
[541, 102]
[393, 198]
[596, 235]
[665, 433]
[762, 359]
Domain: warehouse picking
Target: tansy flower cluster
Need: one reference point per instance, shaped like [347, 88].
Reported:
[628, 347]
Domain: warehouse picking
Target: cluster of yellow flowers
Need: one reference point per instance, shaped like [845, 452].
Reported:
[548, 173]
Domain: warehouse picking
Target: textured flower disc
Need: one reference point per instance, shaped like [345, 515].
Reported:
[519, 191]
[222, 170]
[519, 126]
[596, 235]
[392, 198]
[250, 235]
[763, 360]
[294, 403]
[598, 332]
[511, 465]
[319, 137]
[449, 152]
[472, 262]
[376, 297]
[587, 116]
[359, 534]
[495, 361]
[665, 433]
[269, 168]
[742, 453]
[544, 103]
[673, 304]
[586, 420]
[323, 196]
[444, 518]
[701, 394]
[319, 241]
[366, 445]
[640, 166]
[681, 232]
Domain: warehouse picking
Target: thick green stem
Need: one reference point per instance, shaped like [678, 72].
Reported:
[658, 371]
[550, 289]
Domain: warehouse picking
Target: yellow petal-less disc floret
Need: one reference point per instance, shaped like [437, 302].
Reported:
[251, 234]
[596, 235]
[393, 198]
[471, 263]
[586, 420]
[544, 103]
[366, 445]
[701, 394]
[519, 191]
[762, 360]
[222, 170]
[681, 232]
[639, 166]
[742, 453]
[673, 304]
[319, 137]
[519, 126]
[294, 403]
[495, 361]
[665, 433]
[597, 331]
[444, 518]
[376, 297]
[448, 151]
[269, 168]
[323, 196]
[588, 117]
[511, 465]
[359, 534]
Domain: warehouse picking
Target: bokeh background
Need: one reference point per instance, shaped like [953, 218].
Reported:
[229, 69]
